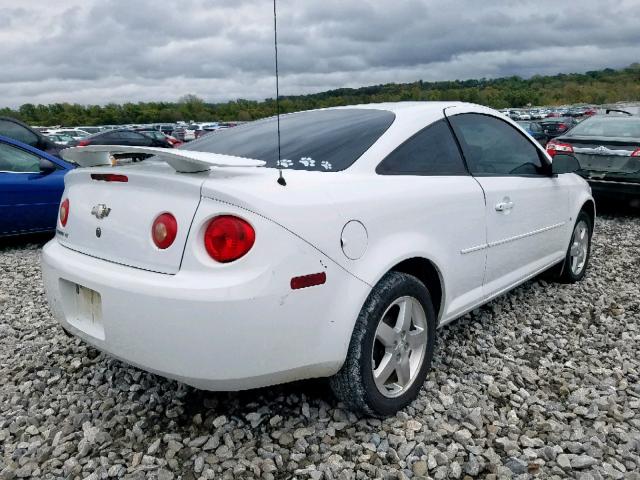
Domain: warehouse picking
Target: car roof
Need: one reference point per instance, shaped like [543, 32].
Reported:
[400, 108]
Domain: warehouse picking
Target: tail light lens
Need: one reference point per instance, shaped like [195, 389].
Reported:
[83, 143]
[64, 212]
[562, 126]
[164, 230]
[636, 153]
[228, 238]
[554, 148]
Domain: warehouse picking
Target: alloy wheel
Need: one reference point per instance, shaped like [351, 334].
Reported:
[579, 247]
[399, 346]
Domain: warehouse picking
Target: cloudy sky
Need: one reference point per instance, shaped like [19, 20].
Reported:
[99, 51]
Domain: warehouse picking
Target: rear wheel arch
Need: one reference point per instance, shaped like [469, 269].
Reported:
[429, 274]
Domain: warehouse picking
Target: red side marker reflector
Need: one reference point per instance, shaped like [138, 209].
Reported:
[308, 280]
[109, 177]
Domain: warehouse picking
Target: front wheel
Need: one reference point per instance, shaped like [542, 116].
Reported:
[579, 251]
[391, 348]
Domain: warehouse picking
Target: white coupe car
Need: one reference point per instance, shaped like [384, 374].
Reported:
[391, 220]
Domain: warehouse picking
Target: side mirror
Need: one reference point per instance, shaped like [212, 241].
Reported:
[564, 163]
[46, 166]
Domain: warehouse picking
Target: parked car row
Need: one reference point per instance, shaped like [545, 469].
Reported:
[607, 148]
[542, 113]
[173, 133]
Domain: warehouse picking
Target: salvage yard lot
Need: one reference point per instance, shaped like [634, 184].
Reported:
[544, 382]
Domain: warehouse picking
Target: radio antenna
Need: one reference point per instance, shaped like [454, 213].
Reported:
[281, 179]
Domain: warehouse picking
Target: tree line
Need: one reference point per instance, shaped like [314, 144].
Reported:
[594, 87]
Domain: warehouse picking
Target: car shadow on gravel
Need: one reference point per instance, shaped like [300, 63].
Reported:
[620, 207]
[31, 240]
[286, 398]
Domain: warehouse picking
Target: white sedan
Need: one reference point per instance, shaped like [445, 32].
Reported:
[390, 220]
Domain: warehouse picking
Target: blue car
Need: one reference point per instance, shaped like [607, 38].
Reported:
[31, 184]
[536, 131]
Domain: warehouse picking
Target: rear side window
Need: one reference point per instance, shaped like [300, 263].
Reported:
[432, 151]
[492, 147]
[321, 140]
[16, 160]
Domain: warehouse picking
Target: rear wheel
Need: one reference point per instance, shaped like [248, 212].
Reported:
[391, 348]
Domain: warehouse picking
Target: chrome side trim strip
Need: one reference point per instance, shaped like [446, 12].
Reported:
[603, 151]
[474, 249]
[510, 239]
[615, 182]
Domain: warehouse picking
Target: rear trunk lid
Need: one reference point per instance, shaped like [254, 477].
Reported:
[605, 155]
[123, 235]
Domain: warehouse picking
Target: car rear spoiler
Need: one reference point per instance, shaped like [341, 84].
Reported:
[609, 110]
[184, 161]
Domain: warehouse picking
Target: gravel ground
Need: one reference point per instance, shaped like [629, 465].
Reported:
[542, 382]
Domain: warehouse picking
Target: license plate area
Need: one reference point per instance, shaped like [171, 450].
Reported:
[83, 308]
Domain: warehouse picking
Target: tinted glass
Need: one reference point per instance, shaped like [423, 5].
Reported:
[107, 136]
[493, 147]
[432, 151]
[566, 120]
[17, 132]
[131, 136]
[14, 159]
[608, 127]
[154, 134]
[316, 140]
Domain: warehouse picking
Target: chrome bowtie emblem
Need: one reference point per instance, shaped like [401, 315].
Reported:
[602, 149]
[100, 211]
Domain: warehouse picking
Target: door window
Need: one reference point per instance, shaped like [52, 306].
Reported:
[432, 151]
[535, 127]
[492, 147]
[16, 160]
[18, 132]
[134, 138]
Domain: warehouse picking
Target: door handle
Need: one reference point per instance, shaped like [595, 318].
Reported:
[504, 206]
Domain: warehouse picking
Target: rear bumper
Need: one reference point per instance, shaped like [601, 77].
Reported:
[615, 188]
[196, 329]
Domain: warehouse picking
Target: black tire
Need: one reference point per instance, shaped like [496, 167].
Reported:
[566, 274]
[354, 384]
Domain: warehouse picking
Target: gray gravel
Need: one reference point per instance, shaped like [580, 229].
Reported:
[542, 382]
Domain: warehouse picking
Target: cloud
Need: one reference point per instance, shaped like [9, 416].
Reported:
[100, 51]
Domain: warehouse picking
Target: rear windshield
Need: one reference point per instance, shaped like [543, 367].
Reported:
[608, 127]
[321, 140]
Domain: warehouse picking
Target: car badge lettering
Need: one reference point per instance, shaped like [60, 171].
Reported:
[100, 211]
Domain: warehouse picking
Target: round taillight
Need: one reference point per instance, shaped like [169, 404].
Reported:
[228, 238]
[64, 212]
[164, 230]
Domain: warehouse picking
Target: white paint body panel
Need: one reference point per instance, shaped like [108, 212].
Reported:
[239, 325]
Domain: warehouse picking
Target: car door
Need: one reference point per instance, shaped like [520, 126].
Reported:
[446, 206]
[29, 198]
[526, 207]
